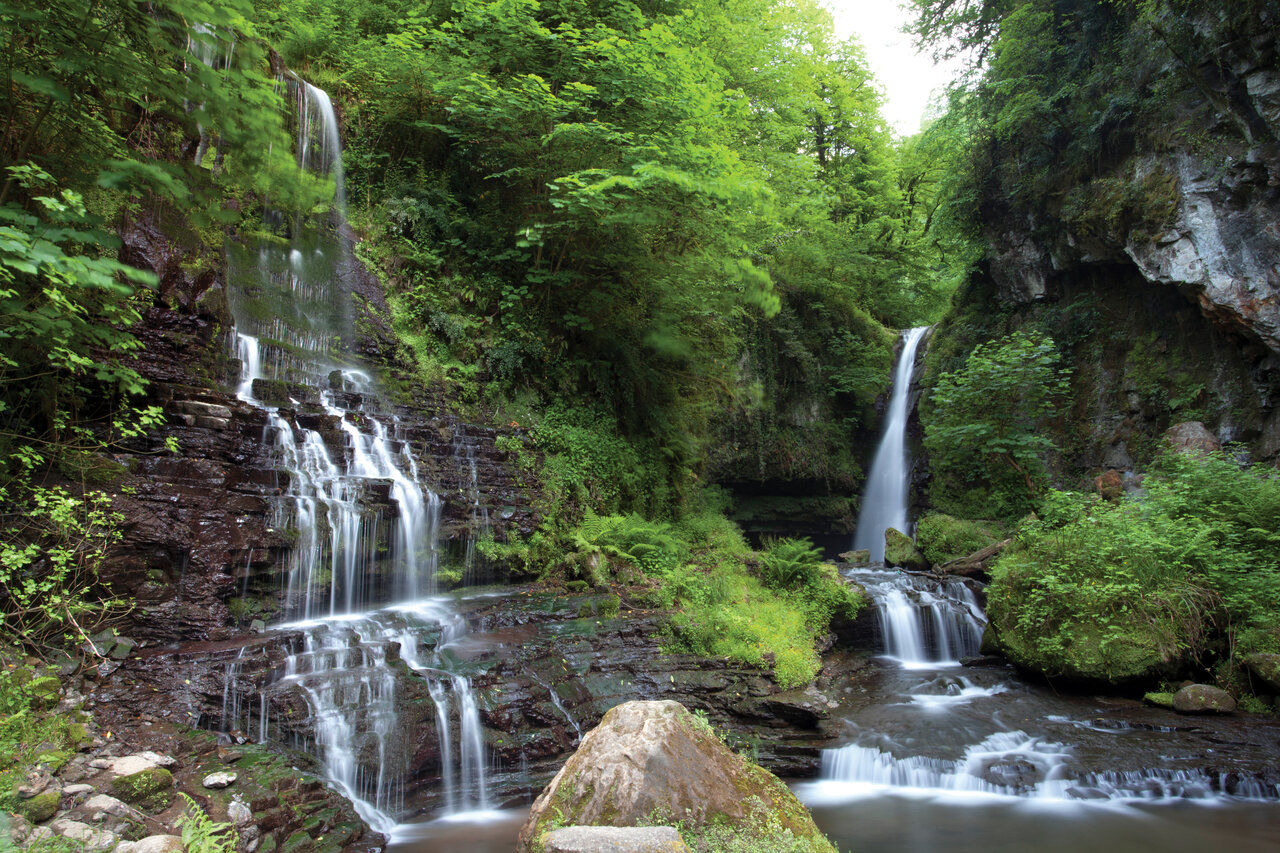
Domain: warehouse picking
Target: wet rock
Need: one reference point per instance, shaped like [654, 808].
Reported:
[1203, 699]
[1265, 667]
[150, 789]
[861, 557]
[1014, 774]
[1159, 699]
[615, 839]
[982, 660]
[1191, 437]
[220, 779]
[648, 757]
[900, 551]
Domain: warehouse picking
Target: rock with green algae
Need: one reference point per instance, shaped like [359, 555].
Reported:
[1159, 699]
[150, 789]
[652, 762]
[1203, 699]
[900, 551]
[41, 807]
[1090, 655]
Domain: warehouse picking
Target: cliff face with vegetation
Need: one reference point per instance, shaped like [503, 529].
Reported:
[1124, 183]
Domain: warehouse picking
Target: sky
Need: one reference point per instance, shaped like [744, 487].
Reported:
[909, 79]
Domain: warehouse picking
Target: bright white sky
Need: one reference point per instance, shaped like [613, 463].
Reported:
[909, 79]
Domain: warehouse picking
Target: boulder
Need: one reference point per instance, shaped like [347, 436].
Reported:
[150, 789]
[615, 839]
[136, 763]
[238, 813]
[40, 807]
[159, 844]
[1159, 699]
[900, 551]
[1265, 667]
[655, 760]
[1191, 437]
[861, 557]
[221, 779]
[1110, 485]
[1203, 699]
[100, 806]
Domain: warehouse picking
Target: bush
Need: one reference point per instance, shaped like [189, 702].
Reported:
[944, 538]
[1127, 590]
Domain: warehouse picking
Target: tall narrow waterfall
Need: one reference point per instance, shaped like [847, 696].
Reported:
[361, 520]
[884, 500]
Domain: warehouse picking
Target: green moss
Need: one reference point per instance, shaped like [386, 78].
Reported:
[1159, 699]
[899, 550]
[150, 790]
[39, 808]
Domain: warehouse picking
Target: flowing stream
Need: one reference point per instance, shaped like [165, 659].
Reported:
[362, 519]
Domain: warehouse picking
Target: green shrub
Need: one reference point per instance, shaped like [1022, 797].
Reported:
[1126, 590]
[944, 538]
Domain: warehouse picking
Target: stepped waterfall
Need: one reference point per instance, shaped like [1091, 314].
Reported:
[362, 518]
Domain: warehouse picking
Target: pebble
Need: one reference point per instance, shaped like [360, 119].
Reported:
[219, 780]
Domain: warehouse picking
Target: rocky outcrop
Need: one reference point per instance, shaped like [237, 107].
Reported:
[650, 760]
[1191, 437]
[614, 839]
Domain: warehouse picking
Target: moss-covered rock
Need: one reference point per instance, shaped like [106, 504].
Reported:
[1203, 699]
[943, 538]
[41, 807]
[654, 762]
[1264, 668]
[1159, 699]
[900, 551]
[150, 790]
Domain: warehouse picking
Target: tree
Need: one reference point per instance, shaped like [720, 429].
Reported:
[987, 415]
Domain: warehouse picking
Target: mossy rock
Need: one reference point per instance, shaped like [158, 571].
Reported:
[41, 807]
[943, 538]
[1091, 655]
[655, 760]
[150, 790]
[1159, 699]
[1265, 668]
[44, 691]
[900, 551]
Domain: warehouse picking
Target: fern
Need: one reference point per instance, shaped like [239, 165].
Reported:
[201, 834]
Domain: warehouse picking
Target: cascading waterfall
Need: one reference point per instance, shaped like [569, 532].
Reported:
[884, 501]
[363, 524]
[924, 622]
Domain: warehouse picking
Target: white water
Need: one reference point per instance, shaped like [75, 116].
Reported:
[884, 499]
[925, 622]
[356, 578]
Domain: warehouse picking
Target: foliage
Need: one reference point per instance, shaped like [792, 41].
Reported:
[201, 834]
[944, 538]
[29, 732]
[1121, 590]
[985, 419]
[51, 544]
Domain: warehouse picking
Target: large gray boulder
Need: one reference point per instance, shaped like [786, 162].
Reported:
[1192, 437]
[653, 762]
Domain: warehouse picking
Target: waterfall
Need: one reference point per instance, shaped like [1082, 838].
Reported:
[924, 622]
[884, 500]
[361, 521]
